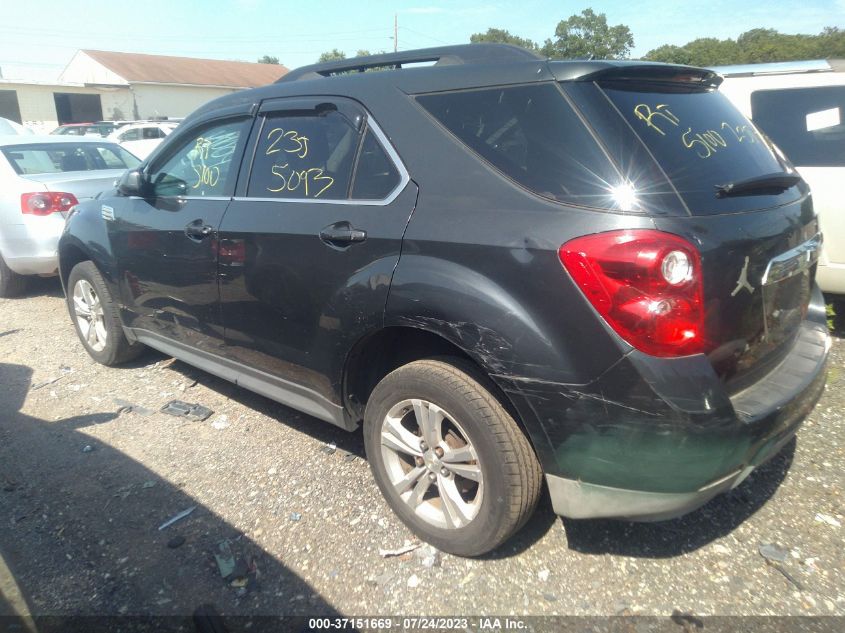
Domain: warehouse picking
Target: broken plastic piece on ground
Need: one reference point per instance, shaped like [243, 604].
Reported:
[221, 422]
[825, 518]
[225, 559]
[187, 410]
[87, 448]
[407, 547]
[177, 517]
[295, 516]
[124, 406]
[773, 552]
[329, 449]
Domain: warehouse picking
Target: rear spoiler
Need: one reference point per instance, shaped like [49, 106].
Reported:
[648, 72]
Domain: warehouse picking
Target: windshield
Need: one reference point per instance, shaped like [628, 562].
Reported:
[52, 158]
[701, 141]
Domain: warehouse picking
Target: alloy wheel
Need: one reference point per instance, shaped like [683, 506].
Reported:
[90, 317]
[432, 464]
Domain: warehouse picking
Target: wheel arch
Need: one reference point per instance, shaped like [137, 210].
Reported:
[380, 352]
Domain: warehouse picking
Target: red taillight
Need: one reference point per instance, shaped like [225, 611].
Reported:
[646, 284]
[47, 202]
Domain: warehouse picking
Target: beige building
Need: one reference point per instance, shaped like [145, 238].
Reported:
[107, 86]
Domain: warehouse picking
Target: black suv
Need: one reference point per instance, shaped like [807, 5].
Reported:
[596, 273]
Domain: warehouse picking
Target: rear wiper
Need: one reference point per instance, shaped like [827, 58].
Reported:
[759, 185]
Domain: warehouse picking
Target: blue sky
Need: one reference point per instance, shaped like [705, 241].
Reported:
[38, 37]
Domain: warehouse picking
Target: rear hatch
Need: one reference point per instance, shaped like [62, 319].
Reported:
[737, 197]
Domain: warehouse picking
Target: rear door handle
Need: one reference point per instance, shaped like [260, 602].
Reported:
[342, 234]
[198, 230]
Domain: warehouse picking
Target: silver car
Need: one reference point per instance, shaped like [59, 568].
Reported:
[41, 178]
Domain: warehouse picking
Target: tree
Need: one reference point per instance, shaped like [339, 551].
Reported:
[588, 35]
[754, 46]
[267, 59]
[501, 36]
[332, 55]
[363, 52]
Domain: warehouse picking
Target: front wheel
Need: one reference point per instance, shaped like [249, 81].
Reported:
[95, 315]
[449, 459]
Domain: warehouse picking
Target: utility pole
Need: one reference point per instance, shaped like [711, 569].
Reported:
[395, 32]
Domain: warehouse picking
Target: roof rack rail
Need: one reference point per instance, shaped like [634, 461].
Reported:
[480, 53]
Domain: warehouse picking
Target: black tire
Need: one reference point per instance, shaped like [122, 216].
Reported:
[11, 283]
[117, 349]
[510, 471]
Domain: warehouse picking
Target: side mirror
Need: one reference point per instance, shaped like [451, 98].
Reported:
[131, 183]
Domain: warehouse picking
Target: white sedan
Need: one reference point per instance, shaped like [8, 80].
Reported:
[41, 178]
[142, 138]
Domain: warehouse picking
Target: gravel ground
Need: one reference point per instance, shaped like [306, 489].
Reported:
[89, 470]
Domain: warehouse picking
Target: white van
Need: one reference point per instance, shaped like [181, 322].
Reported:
[801, 107]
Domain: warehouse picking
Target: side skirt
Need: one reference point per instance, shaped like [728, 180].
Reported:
[273, 387]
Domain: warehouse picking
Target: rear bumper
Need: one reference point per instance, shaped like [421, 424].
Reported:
[653, 439]
[32, 249]
[831, 278]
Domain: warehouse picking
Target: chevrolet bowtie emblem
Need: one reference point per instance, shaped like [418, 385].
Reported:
[742, 282]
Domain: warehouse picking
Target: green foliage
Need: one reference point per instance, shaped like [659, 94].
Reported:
[754, 46]
[267, 59]
[501, 36]
[330, 56]
[589, 35]
[831, 316]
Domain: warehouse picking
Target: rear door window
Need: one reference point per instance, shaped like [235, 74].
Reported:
[808, 124]
[304, 156]
[532, 135]
[701, 141]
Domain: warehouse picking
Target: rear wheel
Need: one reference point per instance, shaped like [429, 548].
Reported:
[11, 283]
[449, 459]
[96, 317]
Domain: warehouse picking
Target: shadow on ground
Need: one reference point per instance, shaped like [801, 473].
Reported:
[666, 539]
[79, 533]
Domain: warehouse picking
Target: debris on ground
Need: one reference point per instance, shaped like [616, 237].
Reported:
[49, 381]
[772, 552]
[181, 409]
[414, 581]
[407, 547]
[177, 517]
[295, 516]
[543, 574]
[167, 363]
[87, 448]
[124, 406]
[148, 484]
[225, 559]
[220, 422]
[329, 449]
[176, 541]
[826, 518]
[429, 556]
[349, 457]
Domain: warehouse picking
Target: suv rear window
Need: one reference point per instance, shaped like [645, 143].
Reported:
[701, 141]
[806, 123]
[531, 134]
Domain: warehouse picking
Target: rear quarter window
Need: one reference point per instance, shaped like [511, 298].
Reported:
[808, 124]
[532, 135]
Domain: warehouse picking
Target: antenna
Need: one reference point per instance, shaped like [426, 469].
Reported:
[395, 32]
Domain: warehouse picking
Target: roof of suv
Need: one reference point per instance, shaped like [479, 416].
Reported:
[452, 67]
